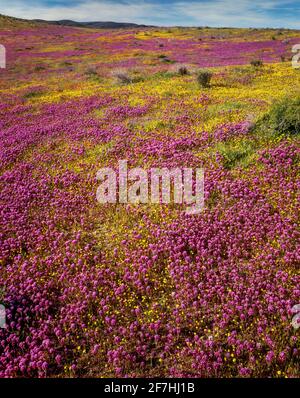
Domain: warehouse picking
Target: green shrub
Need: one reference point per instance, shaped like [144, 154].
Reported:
[181, 69]
[33, 94]
[257, 63]
[204, 77]
[168, 61]
[282, 119]
[236, 153]
[39, 68]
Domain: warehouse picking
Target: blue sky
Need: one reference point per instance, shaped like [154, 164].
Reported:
[239, 13]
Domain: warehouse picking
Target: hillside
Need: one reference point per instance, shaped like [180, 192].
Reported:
[11, 22]
[95, 25]
[145, 289]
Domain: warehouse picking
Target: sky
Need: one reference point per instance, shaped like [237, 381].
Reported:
[215, 13]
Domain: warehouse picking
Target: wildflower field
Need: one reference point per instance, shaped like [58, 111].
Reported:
[145, 290]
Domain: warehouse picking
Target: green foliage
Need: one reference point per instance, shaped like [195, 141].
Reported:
[183, 70]
[2, 295]
[162, 75]
[282, 119]
[32, 94]
[236, 153]
[204, 77]
[257, 63]
[39, 68]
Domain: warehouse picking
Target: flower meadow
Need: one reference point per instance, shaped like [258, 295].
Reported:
[124, 290]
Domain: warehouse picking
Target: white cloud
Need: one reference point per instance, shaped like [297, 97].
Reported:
[243, 13]
[85, 11]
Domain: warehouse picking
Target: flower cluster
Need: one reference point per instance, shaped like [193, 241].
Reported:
[145, 290]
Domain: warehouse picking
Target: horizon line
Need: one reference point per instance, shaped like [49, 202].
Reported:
[148, 25]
